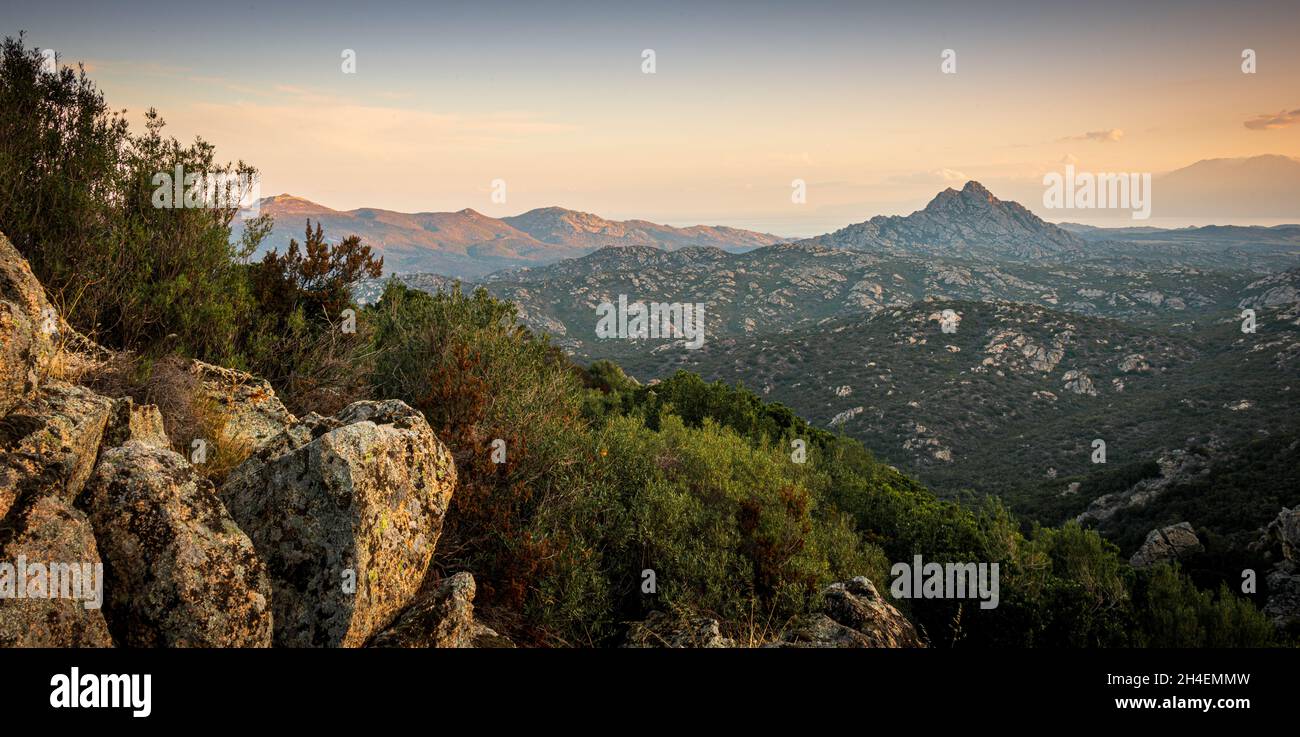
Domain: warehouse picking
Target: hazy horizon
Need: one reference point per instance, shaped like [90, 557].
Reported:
[849, 98]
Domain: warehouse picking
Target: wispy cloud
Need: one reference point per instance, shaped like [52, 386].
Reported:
[1280, 119]
[1110, 135]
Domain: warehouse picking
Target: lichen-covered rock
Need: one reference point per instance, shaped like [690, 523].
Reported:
[346, 512]
[1284, 531]
[857, 604]
[661, 630]
[443, 617]
[245, 407]
[1283, 605]
[1167, 544]
[49, 441]
[63, 587]
[28, 328]
[820, 631]
[853, 614]
[180, 573]
[143, 423]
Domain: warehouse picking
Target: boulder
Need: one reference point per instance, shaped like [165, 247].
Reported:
[180, 572]
[1283, 604]
[244, 406]
[49, 442]
[853, 614]
[1284, 531]
[1171, 543]
[661, 630]
[143, 423]
[28, 328]
[64, 611]
[444, 618]
[345, 511]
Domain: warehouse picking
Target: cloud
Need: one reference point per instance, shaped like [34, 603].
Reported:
[1069, 159]
[1111, 135]
[1280, 119]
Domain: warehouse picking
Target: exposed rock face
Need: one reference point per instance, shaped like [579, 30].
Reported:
[1176, 467]
[662, 630]
[28, 326]
[179, 572]
[48, 532]
[443, 617]
[1167, 544]
[49, 441]
[247, 406]
[1079, 383]
[129, 422]
[1283, 535]
[854, 615]
[1285, 532]
[345, 511]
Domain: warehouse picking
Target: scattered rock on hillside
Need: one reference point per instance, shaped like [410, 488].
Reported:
[1283, 535]
[662, 630]
[48, 532]
[853, 614]
[180, 572]
[1171, 543]
[345, 511]
[442, 618]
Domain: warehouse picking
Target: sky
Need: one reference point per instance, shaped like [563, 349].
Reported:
[745, 98]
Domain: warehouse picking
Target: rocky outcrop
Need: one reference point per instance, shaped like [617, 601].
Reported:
[662, 630]
[129, 421]
[28, 328]
[345, 511]
[1079, 382]
[180, 573]
[853, 614]
[1167, 544]
[62, 587]
[1281, 538]
[49, 442]
[244, 407]
[442, 618]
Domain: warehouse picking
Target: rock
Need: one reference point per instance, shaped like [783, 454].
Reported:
[444, 618]
[1284, 531]
[50, 533]
[1079, 383]
[49, 441]
[661, 630]
[180, 573]
[820, 631]
[1167, 544]
[853, 614]
[346, 512]
[1134, 362]
[245, 407]
[1283, 605]
[28, 328]
[129, 422]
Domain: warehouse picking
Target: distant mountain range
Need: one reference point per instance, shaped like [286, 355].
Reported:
[970, 223]
[469, 244]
